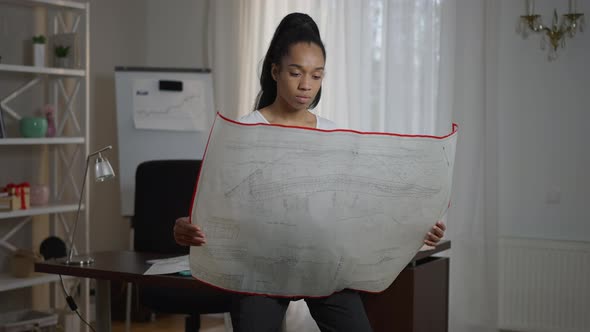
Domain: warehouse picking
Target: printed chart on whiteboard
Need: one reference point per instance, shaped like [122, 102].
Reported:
[184, 110]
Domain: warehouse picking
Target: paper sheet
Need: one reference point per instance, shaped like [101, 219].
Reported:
[300, 212]
[168, 265]
[170, 110]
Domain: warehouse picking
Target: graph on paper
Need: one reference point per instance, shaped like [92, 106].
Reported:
[184, 110]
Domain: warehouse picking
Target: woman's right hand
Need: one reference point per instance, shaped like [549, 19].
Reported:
[187, 234]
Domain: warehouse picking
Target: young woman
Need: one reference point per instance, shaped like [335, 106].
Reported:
[291, 85]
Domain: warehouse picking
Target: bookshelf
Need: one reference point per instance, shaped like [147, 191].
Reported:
[60, 158]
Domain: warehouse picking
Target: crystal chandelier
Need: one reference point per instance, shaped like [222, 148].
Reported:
[552, 36]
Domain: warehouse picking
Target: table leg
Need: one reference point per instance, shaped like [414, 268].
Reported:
[128, 308]
[103, 305]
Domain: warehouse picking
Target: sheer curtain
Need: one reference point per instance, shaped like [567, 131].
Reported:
[408, 66]
[473, 217]
[382, 66]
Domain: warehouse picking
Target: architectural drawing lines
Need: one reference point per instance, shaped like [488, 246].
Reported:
[226, 253]
[220, 228]
[257, 173]
[307, 185]
[231, 281]
[307, 213]
[446, 156]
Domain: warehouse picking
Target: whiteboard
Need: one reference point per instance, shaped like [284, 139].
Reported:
[155, 123]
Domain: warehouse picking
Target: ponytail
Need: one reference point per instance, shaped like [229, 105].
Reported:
[294, 28]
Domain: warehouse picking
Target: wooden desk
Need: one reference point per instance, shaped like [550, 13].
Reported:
[126, 266]
[418, 299]
[421, 288]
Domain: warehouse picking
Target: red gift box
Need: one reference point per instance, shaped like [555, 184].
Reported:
[18, 196]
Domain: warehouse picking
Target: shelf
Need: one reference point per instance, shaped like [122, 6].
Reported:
[35, 211]
[72, 103]
[42, 70]
[41, 141]
[48, 3]
[8, 282]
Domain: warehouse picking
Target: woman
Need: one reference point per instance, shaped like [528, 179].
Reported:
[291, 84]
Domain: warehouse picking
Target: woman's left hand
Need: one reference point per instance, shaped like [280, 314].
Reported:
[436, 234]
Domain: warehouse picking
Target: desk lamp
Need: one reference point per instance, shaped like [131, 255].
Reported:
[102, 171]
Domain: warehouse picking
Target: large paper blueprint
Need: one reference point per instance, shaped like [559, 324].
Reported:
[304, 212]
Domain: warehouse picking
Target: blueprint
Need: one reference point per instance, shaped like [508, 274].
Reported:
[304, 212]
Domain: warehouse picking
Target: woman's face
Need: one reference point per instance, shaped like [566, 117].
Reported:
[299, 77]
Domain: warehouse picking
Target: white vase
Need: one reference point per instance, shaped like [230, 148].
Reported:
[62, 62]
[39, 55]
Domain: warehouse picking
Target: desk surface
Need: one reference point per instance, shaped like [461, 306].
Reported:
[129, 266]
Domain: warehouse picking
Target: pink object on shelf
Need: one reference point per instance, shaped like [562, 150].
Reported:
[39, 195]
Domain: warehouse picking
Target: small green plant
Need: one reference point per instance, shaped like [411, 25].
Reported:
[62, 51]
[40, 39]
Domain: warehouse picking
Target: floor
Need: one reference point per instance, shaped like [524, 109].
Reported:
[172, 323]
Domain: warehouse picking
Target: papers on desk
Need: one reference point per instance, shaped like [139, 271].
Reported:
[168, 265]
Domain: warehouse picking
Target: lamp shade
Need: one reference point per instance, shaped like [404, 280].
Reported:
[103, 169]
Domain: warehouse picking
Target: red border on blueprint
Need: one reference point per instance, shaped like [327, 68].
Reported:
[455, 129]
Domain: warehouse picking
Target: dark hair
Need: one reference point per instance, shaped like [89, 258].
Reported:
[294, 28]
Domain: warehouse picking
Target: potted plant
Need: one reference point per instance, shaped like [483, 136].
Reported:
[61, 56]
[39, 50]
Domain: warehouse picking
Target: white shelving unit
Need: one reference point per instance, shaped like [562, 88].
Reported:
[42, 141]
[59, 4]
[37, 211]
[42, 70]
[7, 282]
[69, 90]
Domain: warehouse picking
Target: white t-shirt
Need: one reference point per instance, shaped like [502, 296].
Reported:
[257, 117]
[297, 318]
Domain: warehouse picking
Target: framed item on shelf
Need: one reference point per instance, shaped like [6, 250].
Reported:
[64, 50]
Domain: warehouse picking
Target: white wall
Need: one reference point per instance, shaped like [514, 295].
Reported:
[543, 126]
[176, 33]
[117, 37]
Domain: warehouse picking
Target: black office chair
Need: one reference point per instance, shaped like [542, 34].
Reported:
[163, 193]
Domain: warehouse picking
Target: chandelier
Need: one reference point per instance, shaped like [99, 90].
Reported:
[553, 36]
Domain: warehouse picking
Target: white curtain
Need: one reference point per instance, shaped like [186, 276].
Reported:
[407, 66]
[473, 216]
[382, 66]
